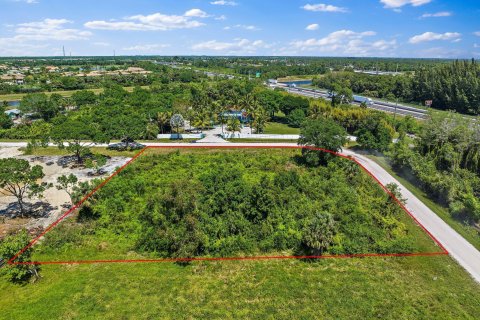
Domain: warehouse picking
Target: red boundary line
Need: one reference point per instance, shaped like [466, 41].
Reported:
[76, 206]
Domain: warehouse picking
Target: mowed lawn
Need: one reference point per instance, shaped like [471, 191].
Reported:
[280, 128]
[384, 288]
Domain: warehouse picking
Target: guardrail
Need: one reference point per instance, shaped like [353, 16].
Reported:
[400, 106]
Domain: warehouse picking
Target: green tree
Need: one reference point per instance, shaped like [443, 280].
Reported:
[96, 162]
[234, 125]
[19, 179]
[39, 135]
[77, 136]
[151, 132]
[319, 233]
[163, 120]
[67, 184]
[84, 97]
[375, 133]
[201, 121]
[9, 247]
[322, 133]
[296, 118]
[177, 122]
[5, 121]
[260, 118]
[40, 104]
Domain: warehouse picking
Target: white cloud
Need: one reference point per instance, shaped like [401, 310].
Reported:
[48, 29]
[432, 36]
[477, 33]
[323, 8]
[238, 46]
[152, 22]
[437, 14]
[27, 1]
[392, 4]
[312, 27]
[242, 26]
[347, 42]
[101, 44]
[196, 13]
[224, 3]
[28, 37]
[221, 18]
[146, 47]
[9, 48]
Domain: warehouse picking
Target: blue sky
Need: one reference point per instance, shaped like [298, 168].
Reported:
[380, 28]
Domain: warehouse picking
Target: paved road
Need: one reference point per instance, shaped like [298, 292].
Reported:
[378, 105]
[459, 248]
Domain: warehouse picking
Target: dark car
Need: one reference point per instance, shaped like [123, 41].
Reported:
[126, 146]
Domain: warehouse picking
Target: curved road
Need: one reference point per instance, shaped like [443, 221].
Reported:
[459, 248]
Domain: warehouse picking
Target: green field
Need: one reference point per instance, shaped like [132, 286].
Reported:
[432, 287]
[386, 288]
[280, 128]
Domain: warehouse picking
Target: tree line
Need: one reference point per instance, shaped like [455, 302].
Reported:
[452, 86]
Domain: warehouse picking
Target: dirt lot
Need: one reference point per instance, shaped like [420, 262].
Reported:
[54, 202]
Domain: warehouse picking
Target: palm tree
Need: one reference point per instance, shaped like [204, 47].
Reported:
[201, 121]
[250, 104]
[260, 118]
[234, 125]
[163, 118]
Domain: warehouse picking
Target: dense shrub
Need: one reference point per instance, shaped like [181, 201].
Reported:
[222, 203]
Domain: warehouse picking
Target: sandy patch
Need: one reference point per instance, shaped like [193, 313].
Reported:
[55, 202]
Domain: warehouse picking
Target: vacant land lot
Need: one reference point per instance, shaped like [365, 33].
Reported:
[189, 203]
[239, 202]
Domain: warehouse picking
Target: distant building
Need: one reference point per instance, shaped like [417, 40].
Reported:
[13, 78]
[242, 116]
[51, 69]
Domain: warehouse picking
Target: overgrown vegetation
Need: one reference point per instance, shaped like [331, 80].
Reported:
[446, 161]
[223, 203]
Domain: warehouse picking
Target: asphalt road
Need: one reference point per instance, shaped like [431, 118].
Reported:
[459, 248]
[378, 105]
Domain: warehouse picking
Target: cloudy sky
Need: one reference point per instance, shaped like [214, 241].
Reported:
[380, 28]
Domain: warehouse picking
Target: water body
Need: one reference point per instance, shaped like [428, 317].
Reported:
[298, 82]
[14, 104]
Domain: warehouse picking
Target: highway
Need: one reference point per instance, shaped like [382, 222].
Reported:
[378, 105]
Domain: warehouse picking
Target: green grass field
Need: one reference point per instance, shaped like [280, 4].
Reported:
[384, 288]
[432, 287]
[280, 128]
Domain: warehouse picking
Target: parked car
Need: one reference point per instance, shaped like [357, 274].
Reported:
[126, 146]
